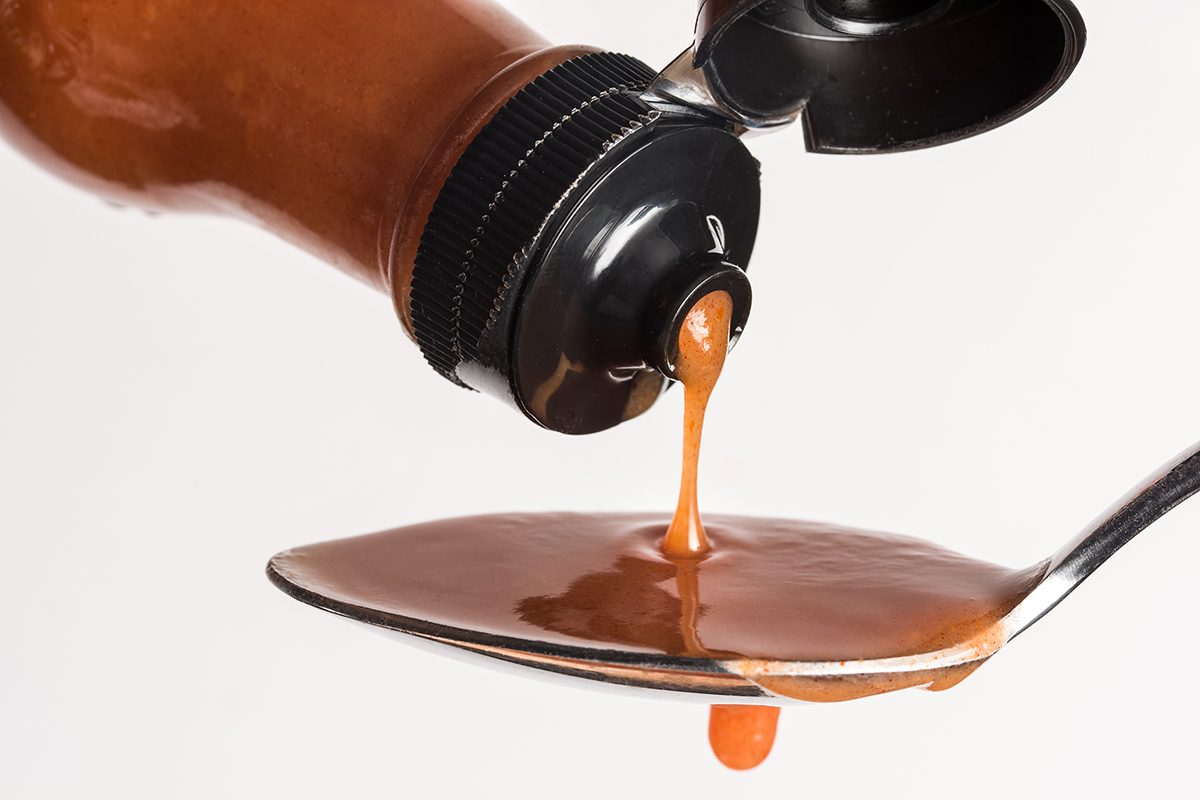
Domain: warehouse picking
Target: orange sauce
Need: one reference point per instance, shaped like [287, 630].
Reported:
[742, 736]
[739, 594]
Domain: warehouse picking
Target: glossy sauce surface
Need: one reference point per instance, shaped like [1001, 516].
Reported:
[770, 588]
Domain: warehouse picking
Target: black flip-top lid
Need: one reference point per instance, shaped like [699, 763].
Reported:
[885, 75]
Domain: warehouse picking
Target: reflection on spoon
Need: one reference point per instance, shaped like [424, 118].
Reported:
[630, 604]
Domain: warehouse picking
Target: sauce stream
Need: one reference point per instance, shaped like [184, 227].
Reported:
[740, 736]
[703, 344]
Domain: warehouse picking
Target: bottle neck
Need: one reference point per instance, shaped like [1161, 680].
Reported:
[410, 205]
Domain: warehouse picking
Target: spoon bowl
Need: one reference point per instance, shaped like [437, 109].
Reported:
[765, 681]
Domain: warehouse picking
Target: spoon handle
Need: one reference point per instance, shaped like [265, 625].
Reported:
[1175, 482]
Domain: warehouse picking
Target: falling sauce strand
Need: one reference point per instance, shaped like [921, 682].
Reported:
[740, 736]
[703, 343]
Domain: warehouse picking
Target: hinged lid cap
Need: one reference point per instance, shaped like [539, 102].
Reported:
[884, 75]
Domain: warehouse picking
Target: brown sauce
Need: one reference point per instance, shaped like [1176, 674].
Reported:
[743, 590]
[769, 590]
[331, 123]
[772, 589]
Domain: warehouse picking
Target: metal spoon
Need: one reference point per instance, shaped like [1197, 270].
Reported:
[769, 682]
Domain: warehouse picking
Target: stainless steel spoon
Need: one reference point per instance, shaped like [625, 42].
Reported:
[768, 682]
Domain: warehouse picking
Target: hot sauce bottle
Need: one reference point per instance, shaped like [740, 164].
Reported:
[542, 217]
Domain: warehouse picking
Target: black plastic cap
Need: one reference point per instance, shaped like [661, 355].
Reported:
[572, 230]
[671, 214]
[502, 190]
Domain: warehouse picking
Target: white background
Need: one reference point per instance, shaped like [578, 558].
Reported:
[1006, 348]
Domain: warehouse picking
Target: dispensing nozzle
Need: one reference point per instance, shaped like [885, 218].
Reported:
[677, 298]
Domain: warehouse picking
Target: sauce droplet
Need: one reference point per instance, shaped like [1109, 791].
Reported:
[742, 736]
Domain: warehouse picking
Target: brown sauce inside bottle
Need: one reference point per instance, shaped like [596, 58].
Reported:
[331, 123]
[745, 591]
